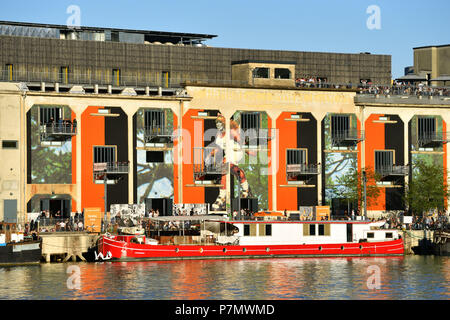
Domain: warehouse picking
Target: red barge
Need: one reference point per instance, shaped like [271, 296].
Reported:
[203, 237]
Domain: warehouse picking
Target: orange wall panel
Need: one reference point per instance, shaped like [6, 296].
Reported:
[287, 138]
[93, 134]
[375, 140]
[191, 140]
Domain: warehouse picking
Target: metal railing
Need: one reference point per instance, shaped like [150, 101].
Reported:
[57, 129]
[293, 170]
[111, 167]
[425, 138]
[385, 171]
[158, 131]
[209, 160]
[404, 90]
[350, 135]
[57, 224]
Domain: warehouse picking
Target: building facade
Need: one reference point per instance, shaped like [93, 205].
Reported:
[249, 137]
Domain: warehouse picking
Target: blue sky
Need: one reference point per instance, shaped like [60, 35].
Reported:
[325, 26]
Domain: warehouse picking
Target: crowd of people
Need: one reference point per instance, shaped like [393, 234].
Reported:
[55, 222]
[367, 87]
[404, 88]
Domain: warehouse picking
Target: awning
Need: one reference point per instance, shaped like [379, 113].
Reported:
[412, 77]
[188, 218]
[441, 78]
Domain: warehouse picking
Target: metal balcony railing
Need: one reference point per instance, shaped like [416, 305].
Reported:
[404, 90]
[111, 169]
[208, 161]
[153, 132]
[428, 138]
[385, 171]
[303, 169]
[56, 131]
[347, 136]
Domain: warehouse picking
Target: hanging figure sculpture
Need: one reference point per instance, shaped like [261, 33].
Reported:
[217, 157]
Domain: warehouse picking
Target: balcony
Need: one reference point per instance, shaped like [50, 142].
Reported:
[110, 171]
[392, 171]
[159, 134]
[208, 161]
[57, 132]
[302, 171]
[346, 137]
[432, 139]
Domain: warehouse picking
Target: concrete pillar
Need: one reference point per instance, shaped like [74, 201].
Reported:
[109, 89]
[78, 158]
[56, 87]
[43, 86]
[159, 91]
[147, 90]
[130, 158]
[96, 88]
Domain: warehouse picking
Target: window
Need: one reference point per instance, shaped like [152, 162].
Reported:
[155, 156]
[296, 156]
[384, 159]
[312, 229]
[265, 230]
[104, 154]
[64, 75]
[116, 77]
[281, 73]
[261, 73]
[321, 230]
[370, 235]
[268, 229]
[426, 128]
[250, 125]
[47, 114]
[340, 124]
[389, 235]
[154, 119]
[9, 144]
[9, 71]
[246, 230]
[250, 120]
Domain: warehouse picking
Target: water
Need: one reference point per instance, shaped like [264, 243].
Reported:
[409, 277]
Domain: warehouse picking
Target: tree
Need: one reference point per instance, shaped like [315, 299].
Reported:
[351, 187]
[427, 190]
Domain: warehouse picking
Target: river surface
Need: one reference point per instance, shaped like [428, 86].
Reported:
[409, 277]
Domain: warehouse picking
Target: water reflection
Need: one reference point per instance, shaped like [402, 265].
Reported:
[411, 277]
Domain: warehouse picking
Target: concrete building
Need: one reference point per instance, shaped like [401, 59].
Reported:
[431, 65]
[248, 134]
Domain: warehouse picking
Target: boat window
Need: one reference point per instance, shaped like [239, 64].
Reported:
[321, 230]
[312, 229]
[370, 235]
[265, 230]
[246, 230]
[268, 229]
[388, 234]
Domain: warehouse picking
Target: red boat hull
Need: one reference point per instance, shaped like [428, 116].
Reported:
[121, 250]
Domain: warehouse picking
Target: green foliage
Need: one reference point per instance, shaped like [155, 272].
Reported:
[351, 186]
[427, 189]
